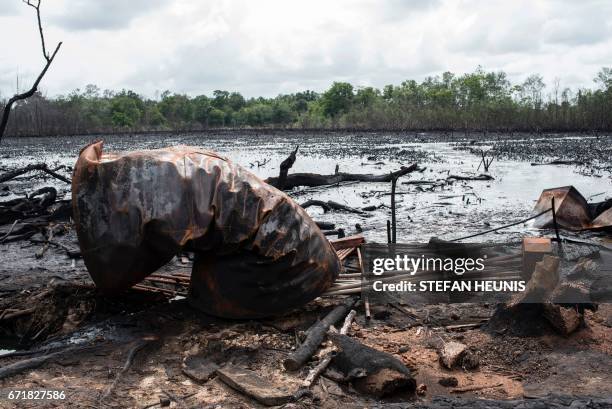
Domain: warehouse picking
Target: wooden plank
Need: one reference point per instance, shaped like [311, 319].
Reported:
[344, 253]
[347, 242]
[252, 385]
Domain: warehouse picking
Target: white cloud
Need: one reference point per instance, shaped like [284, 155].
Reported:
[271, 46]
[82, 15]
[9, 7]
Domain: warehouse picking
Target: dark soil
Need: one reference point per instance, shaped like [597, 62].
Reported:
[516, 369]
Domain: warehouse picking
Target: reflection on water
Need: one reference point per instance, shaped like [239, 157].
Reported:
[447, 212]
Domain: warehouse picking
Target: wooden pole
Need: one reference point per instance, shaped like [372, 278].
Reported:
[554, 215]
[393, 220]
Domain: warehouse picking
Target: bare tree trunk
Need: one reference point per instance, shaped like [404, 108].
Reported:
[48, 58]
[284, 168]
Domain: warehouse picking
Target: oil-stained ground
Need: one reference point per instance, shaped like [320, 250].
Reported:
[93, 335]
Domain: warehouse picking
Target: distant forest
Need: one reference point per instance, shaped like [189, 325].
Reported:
[478, 101]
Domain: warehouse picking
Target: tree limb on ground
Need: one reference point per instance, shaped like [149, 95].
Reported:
[331, 205]
[315, 179]
[36, 166]
[479, 177]
[315, 335]
[128, 362]
[286, 181]
[322, 365]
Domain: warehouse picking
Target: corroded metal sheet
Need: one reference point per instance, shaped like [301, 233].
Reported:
[571, 209]
[604, 220]
[257, 252]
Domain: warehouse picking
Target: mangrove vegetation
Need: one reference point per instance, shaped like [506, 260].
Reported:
[479, 101]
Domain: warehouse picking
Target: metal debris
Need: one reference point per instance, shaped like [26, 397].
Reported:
[572, 211]
[257, 252]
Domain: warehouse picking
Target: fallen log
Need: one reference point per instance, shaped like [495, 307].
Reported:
[315, 179]
[18, 367]
[9, 232]
[315, 335]
[37, 166]
[479, 177]
[559, 162]
[284, 181]
[322, 365]
[331, 205]
[374, 372]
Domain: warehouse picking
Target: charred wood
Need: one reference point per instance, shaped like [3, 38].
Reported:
[315, 179]
[37, 166]
[326, 225]
[322, 365]
[373, 372]
[284, 169]
[315, 335]
[331, 205]
[482, 177]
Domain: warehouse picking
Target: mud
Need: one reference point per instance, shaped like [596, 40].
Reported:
[68, 312]
[520, 366]
[455, 209]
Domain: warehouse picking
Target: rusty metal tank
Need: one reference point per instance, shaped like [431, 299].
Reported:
[257, 252]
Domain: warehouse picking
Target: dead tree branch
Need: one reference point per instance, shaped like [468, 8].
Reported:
[486, 161]
[284, 181]
[331, 205]
[314, 179]
[128, 362]
[37, 166]
[48, 58]
[284, 168]
[315, 335]
[324, 362]
[482, 177]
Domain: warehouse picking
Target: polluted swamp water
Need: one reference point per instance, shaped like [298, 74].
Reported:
[147, 347]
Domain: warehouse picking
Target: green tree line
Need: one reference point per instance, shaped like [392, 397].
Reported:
[477, 101]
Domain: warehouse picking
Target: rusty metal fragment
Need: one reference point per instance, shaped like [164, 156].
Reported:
[572, 211]
[257, 252]
[603, 221]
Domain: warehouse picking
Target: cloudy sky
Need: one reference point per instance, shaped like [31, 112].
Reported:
[267, 47]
